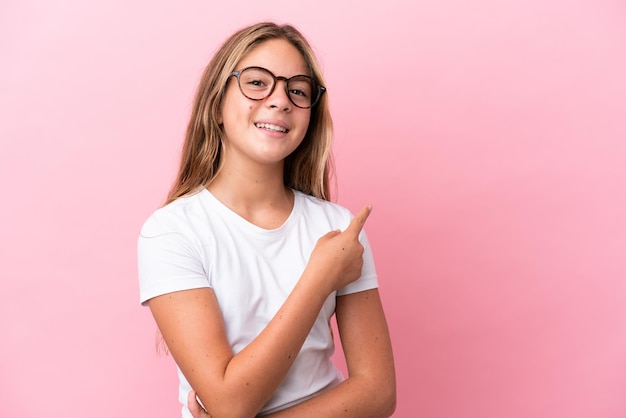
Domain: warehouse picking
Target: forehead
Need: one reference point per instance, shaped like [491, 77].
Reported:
[277, 55]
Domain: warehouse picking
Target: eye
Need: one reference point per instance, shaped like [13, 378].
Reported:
[299, 92]
[300, 87]
[256, 79]
[256, 83]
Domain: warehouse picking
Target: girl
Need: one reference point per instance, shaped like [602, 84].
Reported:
[246, 263]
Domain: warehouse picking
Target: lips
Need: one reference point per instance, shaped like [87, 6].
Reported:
[271, 127]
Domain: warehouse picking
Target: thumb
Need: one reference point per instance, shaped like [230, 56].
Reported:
[331, 234]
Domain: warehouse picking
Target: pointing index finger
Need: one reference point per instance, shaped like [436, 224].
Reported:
[356, 225]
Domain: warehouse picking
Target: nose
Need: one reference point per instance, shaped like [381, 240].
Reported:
[279, 98]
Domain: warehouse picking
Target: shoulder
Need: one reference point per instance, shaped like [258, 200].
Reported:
[180, 216]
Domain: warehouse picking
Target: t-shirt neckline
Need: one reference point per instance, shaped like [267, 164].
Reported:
[248, 226]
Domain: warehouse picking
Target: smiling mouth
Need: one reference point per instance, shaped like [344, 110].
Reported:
[270, 127]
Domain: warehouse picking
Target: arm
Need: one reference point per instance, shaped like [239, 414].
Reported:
[370, 389]
[239, 385]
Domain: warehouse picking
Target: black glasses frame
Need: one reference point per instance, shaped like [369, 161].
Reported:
[319, 92]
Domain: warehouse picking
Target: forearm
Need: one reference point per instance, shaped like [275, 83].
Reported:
[358, 397]
[251, 376]
[267, 359]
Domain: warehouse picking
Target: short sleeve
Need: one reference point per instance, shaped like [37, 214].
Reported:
[369, 278]
[168, 261]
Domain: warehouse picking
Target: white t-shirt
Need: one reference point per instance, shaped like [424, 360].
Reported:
[197, 241]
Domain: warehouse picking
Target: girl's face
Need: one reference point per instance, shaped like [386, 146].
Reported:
[268, 130]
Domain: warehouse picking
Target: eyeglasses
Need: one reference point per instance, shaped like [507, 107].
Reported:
[257, 83]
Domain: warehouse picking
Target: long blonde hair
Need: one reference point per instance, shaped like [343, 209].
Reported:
[308, 169]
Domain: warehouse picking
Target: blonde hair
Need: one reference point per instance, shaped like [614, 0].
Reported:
[308, 169]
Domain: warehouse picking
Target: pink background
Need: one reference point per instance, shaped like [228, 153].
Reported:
[489, 136]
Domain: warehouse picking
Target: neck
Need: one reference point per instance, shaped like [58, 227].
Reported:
[257, 185]
[258, 195]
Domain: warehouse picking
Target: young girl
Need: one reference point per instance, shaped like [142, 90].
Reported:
[245, 265]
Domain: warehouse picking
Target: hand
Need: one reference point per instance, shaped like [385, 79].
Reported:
[194, 406]
[338, 256]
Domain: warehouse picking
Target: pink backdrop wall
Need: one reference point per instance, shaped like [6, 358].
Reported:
[489, 135]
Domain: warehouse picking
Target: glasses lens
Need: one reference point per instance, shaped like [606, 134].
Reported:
[302, 91]
[256, 83]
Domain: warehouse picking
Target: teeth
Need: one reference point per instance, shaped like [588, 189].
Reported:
[270, 127]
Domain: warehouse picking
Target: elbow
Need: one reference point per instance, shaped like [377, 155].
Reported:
[388, 401]
[385, 390]
[381, 391]
[391, 408]
[381, 394]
